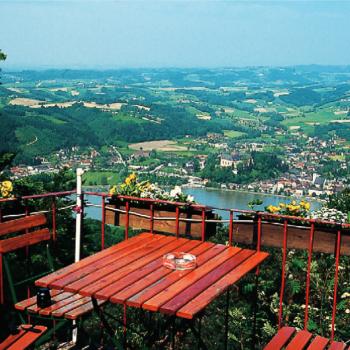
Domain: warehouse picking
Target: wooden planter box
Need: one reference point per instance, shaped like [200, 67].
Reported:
[193, 229]
[297, 237]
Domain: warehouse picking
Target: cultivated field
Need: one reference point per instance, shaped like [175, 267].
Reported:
[163, 145]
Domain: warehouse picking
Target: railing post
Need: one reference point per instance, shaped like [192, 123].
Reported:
[1, 282]
[258, 244]
[177, 222]
[230, 231]
[335, 291]
[308, 275]
[284, 260]
[151, 222]
[53, 209]
[203, 224]
[127, 209]
[103, 222]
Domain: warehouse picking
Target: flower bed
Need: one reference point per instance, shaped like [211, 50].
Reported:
[193, 229]
[245, 231]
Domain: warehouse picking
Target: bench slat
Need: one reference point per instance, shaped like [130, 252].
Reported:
[337, 346]
[22, 224]
[300, 341]
[319, 343]
[27, 338]
[12, 338]
[10, 244]
[280, 339]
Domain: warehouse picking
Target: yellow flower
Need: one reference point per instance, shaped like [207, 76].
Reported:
[113, 190]
[131, 178]
[307, 206]
[6, 188]
[273, 209]
[282, 205]
[5, 193]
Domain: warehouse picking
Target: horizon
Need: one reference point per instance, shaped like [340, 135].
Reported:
[103, 69]
[173, 34]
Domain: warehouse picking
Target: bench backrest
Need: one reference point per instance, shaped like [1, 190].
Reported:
[33, 233]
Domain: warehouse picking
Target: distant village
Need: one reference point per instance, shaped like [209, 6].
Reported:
[302, 179]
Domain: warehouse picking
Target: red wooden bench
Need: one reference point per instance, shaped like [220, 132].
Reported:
[25, 336]
[67, 305]
[289, 338]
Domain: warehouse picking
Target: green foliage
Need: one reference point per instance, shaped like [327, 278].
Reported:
[340, 201]
[2, 56]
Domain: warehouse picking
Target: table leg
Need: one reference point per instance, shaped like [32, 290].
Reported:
[226, 318]
[102, 318]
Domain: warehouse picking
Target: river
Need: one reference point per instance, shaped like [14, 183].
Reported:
[216, 198]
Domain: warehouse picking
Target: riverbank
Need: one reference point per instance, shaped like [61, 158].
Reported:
[261, 193]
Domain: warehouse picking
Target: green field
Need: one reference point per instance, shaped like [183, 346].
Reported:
[93, 178]
[232, 134]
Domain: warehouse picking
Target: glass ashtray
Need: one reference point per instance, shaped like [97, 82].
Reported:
[179, 261]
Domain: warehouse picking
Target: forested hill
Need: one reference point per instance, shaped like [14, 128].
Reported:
[44, 111]
[43, 130]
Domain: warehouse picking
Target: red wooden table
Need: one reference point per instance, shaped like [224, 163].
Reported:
[131, 273]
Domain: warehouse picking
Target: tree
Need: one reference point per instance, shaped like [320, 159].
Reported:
[2, 56]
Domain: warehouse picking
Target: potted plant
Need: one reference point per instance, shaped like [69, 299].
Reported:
[140, 209]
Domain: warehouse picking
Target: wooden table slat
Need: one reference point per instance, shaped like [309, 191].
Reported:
[140, 273]
[202, 300]
[161, 298]
[150, 286]
[135, 250]
[71, 306]
[22, 305]
[46, 280]
[59, 303]
[98, 282]
[202, 284]
[83, 309]
[35, 309]
[132, 273]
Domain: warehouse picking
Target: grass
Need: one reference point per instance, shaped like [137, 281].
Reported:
[92, 178]
[232, 134]
[53, 119]
[322, 116]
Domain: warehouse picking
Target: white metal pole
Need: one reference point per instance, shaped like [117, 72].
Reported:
[78, 219]
[80, 172]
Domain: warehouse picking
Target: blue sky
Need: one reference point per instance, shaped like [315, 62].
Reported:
[114, 34]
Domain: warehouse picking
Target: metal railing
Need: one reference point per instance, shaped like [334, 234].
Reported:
[257, 217]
